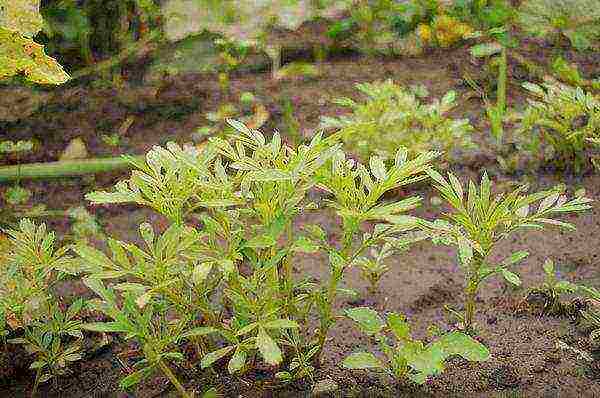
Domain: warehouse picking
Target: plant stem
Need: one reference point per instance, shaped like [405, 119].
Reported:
[36, 384]
[67, 168]
[165, 369]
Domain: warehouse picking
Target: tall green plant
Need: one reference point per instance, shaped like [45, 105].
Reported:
[221, 276]
[479, 220]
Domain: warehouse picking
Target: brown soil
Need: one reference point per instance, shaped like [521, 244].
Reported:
[529, 357]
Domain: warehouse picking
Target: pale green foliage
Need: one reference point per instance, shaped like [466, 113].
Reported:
[480, 219]
[578, 20]
[408, 357]
[29, 266]
[374, 267]
[565, 117]
[230, 278]
[391, 117]
[552, 290]
[245, 20]
[20, 20]
[592, 313]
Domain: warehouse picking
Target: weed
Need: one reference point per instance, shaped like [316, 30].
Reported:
[551, 291]
[408, 358]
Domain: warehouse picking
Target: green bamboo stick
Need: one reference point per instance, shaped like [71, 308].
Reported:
[67, 168]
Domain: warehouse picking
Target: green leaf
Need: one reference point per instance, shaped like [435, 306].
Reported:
[368, 320]
[95, 258]
[378, 168]
[549, 267]
[515, 258]
[199, 331]
[268, 348]
[201, 271]
[281, 324]
[134, 378]
[214, 356]
[362, 360]
[237, 361]
[485, 49]
[105, 327]
[511, 277]
[261, 242]
[465, 252]
[305, 245]
[399, 326]
[457, 343]
[20, 54]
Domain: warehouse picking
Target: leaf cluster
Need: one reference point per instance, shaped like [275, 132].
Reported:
[391, 117]
[408, 358]
[30, 314]
[560, 121]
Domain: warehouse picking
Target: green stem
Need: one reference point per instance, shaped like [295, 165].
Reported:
[165, 369]
[36, 384]
[67, 168]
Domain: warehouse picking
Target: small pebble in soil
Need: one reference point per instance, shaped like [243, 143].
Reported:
[324, 388]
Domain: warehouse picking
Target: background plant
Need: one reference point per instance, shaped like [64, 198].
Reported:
[408, 358]
[551, 291]
[479, 220]
[564, 118]
[577, 20]
[392, 116]
[32, 315]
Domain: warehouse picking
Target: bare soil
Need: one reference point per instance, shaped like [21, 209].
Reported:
[533, 355]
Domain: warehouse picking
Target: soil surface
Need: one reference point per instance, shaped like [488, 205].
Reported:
[533, 355]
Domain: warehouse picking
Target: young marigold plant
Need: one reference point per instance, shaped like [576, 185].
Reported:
[392, 117]
[578, 20]
[408, 358]
[479, 220]
[221, 276]
[33, 317]
[565, 118]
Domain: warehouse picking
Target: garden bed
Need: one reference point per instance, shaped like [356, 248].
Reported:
[532, 355]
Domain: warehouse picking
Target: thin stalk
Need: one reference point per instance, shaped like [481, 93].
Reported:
[171, 376]
[336, 277]
[471, 294]
[67, 168]
[36, 384]
[497, 114]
